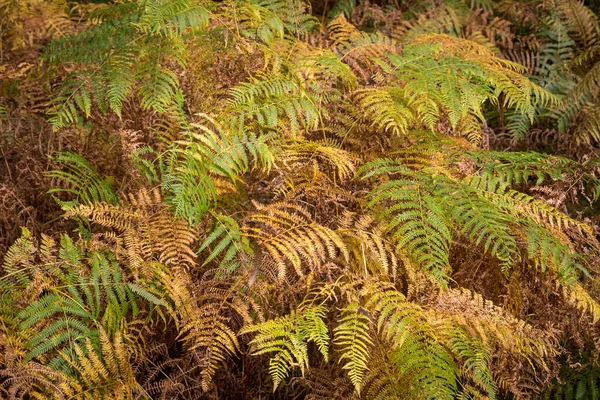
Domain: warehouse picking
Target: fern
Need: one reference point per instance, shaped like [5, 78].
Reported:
[387, 109]
[352, 338]
[288, 338]
[147, 228]
[457, 76]
[88, 290]
[426, 364]
[418, 219]
[227, 241]
[208, 329]
[209, 161]
[373, 252]
[342, 6]
[555, 55]
[132, 42]
[483, 208]
[582, 22]
[83, 181]
[269, 20]
[356, 48]
[288, 235]
[101, 372]
[268, 100]
[389, 206]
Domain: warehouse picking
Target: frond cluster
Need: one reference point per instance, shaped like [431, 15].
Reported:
[127, 51]
[332, 199]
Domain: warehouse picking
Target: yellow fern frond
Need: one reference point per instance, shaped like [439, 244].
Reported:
[288, 234]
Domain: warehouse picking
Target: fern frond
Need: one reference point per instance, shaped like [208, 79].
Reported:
[300, 152]
[197, 166]
[270, 20]
[386, 109]
[468, 75]
[353, 342]
[287, 233]
[373, 251]
[582, 22]
[523, 205]
[225, 241]
[583, 300]
[416, 353]
[208, 329]
[172, 18]
[83, 181]
[268, 100]
[101, 373]
[148, 228]
[357, 49]
[127, 49]
[341, 6]
[288, 338]
[586, 91]
[417, 218]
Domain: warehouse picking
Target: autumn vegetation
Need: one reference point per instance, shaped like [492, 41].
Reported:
[290, 199]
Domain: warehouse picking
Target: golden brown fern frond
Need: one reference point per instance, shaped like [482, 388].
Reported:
[205, 314]
[97, 373]
[581, 298]
[301, 152]
[148, 228]
[323, 384]
[308, 182]
[369, 249]
[31, 380]
[105, 374]
[581, 21]
[341, 31]
[209, 330]
[587, 132]
[357, 49]
[289, 235]
[494, 29]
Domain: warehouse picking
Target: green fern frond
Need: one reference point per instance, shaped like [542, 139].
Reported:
[417, 219]
[483, 223]
[172, 18]
[353, 341]
[415, 352]
[288, 338]
[522, 205]
[270, 20]
[83, 181]
[459, 76]
[129, 48]
[585, 92]
[341, 6]
[197, 166]
[87, 290]
[269, 100]
[515, 168]
[225, 241]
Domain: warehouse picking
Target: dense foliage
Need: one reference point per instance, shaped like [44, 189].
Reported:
[306, 200]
